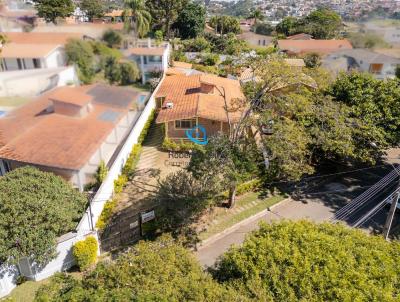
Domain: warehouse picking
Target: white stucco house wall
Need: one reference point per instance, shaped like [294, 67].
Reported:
[16, 56]
[149, 58]
[33, 82]
[380, 65]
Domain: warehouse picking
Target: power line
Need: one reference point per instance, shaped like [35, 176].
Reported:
[360, 200]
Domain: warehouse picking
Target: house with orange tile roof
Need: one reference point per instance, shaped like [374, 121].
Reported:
[150, 59]
[41, 38]
[186, 101]
[322, 47]
[69, 131]
[301, 36]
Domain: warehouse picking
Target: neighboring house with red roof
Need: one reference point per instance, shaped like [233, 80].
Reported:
[322, 47]
[301, 36]
[69, 131]
[186, 101]
[41, 38]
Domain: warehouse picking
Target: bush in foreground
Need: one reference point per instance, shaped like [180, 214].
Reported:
[152, 271]
[303, 261]
[287, 261]
[35, 208]
[85, 252]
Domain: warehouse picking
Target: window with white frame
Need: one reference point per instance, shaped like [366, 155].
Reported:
[185, 124]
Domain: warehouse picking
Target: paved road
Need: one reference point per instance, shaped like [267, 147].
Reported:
[288, 209]
[319, 202]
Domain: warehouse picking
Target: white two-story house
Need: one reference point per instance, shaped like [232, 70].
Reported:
[16, 56]
[150, 59]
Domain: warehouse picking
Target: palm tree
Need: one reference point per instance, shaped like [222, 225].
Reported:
[256, 15]
[137, 17]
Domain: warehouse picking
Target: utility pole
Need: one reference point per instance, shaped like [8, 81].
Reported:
[393, 206]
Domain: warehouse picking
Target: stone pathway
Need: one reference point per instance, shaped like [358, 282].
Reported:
[123, 228]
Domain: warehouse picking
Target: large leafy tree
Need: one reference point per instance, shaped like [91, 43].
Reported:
[35, 208]
[257, 15]
[191, 21]
[50, 10]
[165, 13]
[225, 163]
[93, 8]
[321, 24]
[151, 271]
[303, 261]
[81, 53]
[225, 24]
[288, 26]
[374, 101]
[182, 199]
[306, 125]
[137, 17]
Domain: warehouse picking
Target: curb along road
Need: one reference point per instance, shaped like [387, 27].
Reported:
[233, 228]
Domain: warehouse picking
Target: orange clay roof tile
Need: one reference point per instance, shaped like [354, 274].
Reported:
[318, 46]
[189, 101]
[32, 134]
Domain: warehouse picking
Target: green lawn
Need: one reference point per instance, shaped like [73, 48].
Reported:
[14, 101]
[26, 291]
[228, 218]
[140, 87]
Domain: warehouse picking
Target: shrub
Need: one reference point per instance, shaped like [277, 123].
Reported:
[112, 70]
[106, 214]
[263, 29]
[132, 160]
[112, 38]
[199, 44]
[146, 127]
[210, 59]
[81, 53]
[206, 69]
[130, 73]
[158, 36]
[120, 183]
[102, 172]
[248, 186]
[85, 252]
[104, 51]
[170, 145]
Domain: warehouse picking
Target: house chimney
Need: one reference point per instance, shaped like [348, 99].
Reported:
[70, 101]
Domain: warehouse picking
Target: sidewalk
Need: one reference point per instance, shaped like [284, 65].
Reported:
[211, 249]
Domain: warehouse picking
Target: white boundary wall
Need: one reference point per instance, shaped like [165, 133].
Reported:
[64, 259]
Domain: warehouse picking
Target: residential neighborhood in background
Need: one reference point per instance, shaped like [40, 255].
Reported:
[147, 147]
